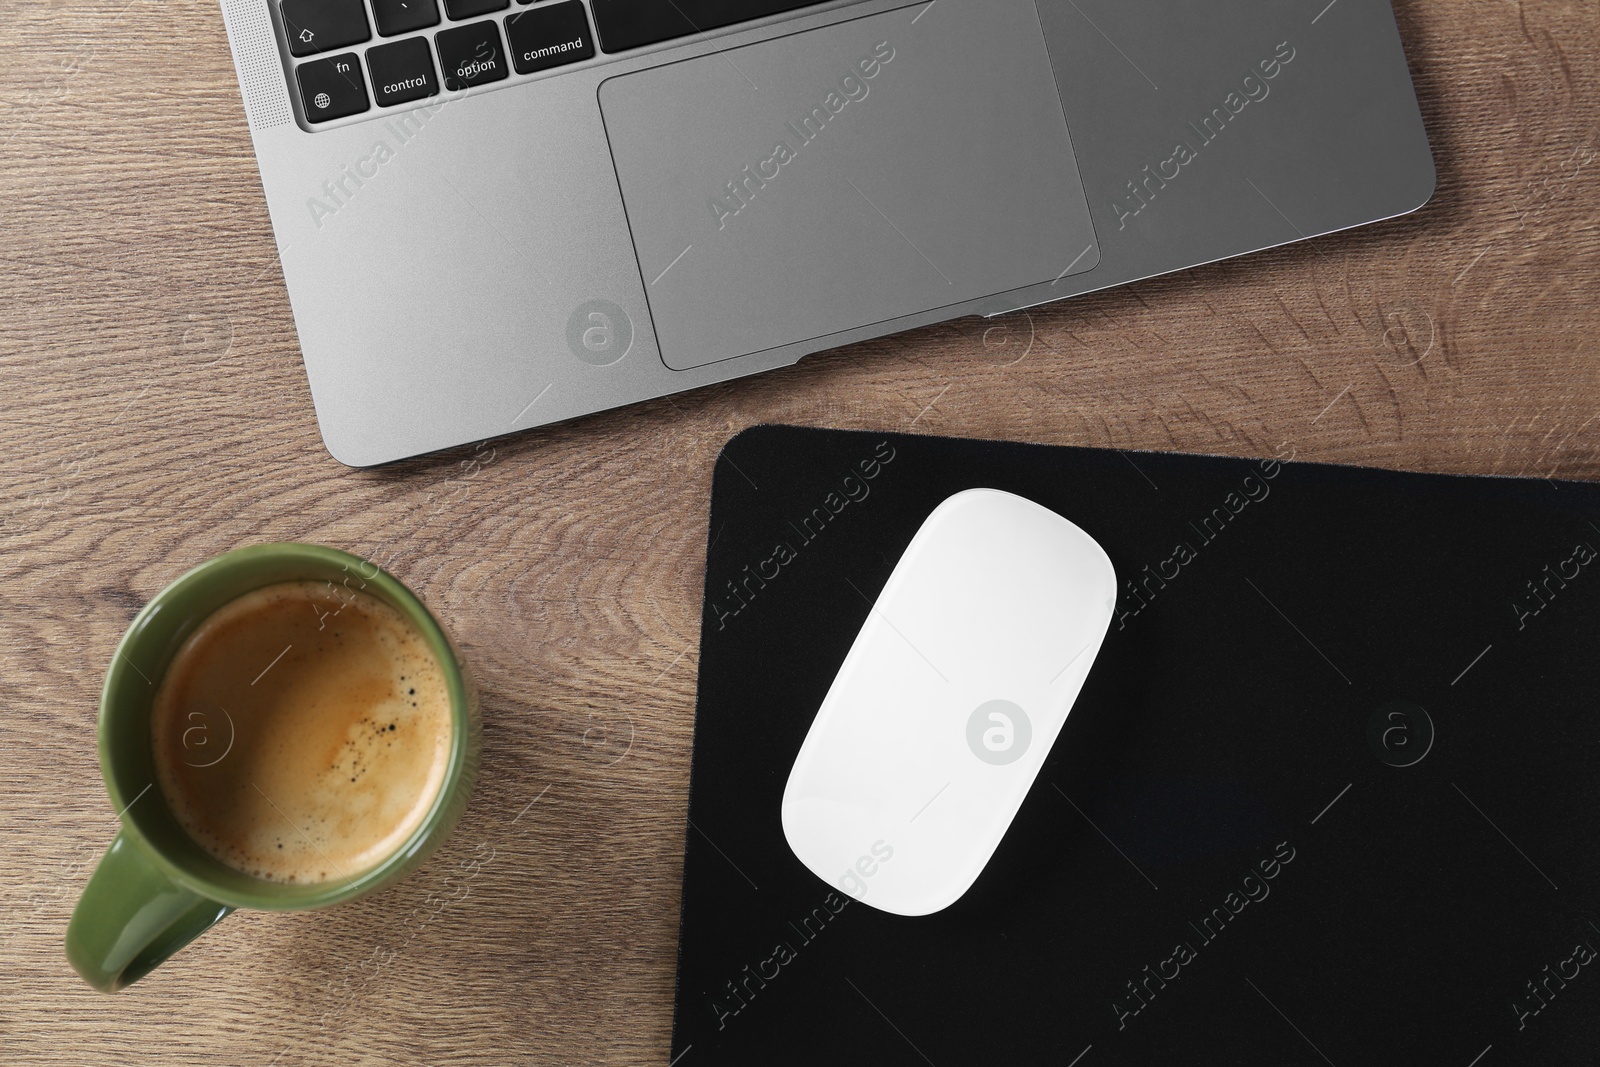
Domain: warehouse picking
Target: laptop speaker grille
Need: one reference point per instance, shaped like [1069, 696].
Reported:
[266, 99]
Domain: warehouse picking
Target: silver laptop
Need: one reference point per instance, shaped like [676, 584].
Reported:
[497, 214]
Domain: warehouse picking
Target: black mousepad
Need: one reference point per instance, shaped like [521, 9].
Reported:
[1327, 796]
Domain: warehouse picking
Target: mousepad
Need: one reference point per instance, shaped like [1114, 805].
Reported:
[1328, 795]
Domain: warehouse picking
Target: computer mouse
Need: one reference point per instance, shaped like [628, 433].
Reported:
[948, 702]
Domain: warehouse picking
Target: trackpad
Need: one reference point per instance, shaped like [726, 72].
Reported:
[812, 184]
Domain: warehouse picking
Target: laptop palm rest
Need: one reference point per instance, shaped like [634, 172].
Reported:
[832, 179]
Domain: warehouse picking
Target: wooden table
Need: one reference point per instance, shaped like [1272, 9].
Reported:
[156, 414]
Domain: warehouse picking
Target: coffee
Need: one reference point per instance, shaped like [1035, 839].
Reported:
[302, 733]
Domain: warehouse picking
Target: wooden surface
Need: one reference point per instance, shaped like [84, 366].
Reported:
[156, 414]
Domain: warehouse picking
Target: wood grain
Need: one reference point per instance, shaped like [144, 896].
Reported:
[156, 414]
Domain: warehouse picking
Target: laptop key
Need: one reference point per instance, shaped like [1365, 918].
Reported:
[332, 88]
[625, 24]
[323, 25]
[403, 16]
[402, 72]
[549, 37]
[466, 9]
[471, 55]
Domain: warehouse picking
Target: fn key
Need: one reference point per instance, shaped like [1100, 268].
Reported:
[332, 88]
[548, 37]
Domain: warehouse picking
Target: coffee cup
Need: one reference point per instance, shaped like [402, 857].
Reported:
[285, 727]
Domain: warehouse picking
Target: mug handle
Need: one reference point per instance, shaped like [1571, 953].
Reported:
[131, 918]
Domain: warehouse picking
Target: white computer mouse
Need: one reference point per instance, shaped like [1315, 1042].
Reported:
[948, 702]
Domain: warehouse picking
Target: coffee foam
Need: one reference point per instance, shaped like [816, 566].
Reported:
[302, 733]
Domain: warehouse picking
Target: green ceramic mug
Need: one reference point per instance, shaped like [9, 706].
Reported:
[156, 890]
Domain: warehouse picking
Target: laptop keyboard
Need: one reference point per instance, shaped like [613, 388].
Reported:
[459, 44]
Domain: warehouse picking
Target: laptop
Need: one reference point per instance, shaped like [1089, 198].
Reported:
[500, 214]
